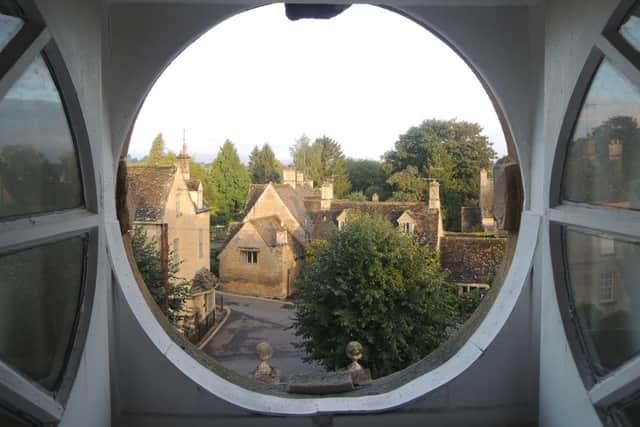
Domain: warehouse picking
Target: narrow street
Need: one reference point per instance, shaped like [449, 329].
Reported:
[251, 321]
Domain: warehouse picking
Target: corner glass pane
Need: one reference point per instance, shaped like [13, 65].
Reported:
[630, 414]
[9, 27]
[630, 29]
[39, 300]
[604, 153]
[8, 419]
[39, 169]
[604, 276]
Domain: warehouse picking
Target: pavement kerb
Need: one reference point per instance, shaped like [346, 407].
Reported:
[204, 341]
[279, 301]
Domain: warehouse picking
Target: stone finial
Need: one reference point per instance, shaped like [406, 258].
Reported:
[265, 372]
[375, 197]
[354, 353]
[359, 375]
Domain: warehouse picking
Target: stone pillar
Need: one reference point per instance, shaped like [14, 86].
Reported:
[486, 201]
[289, 176]
[326, 196]
[434, 194]
[509, 196]
[183, 162]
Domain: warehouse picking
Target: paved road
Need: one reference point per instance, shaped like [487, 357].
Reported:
[251, 321]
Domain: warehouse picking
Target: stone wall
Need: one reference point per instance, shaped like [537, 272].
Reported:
[472, 258]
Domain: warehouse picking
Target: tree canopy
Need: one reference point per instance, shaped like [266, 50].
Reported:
[367, 177]
[159, 155]
[322, 161]
[451, 151]
[263, 166]
[149, 261]
[371, 283]
[229, 182]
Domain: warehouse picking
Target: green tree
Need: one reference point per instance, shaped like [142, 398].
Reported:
[408, 185]
[368, 177]
[371, 283]
[322, 161]
[356, 196]
[229, 182]
[449, 150]
[263, 166]
[149, 261]
[159, 155]
[302, 155]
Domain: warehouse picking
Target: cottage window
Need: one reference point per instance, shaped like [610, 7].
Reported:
[250, 256]
[200, 244]
[178, 213]
[176, 248]
[607, 283]
[407, 227]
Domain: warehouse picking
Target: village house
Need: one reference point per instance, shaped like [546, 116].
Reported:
[262, 254]
[168, 204]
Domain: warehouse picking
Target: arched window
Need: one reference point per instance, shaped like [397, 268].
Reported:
[597, 254]
[48, 253]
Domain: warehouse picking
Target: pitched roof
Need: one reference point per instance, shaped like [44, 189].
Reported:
[149, 188]
[294, 201]
[255, 191]
[268, 228]
[426, 220]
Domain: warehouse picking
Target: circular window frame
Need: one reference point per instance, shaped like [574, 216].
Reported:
[266, 402]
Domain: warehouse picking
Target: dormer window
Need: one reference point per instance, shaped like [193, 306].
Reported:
[407, 227]
[406, 222]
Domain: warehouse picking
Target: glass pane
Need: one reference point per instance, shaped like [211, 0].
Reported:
[630, 29]
[7, 419]
[631, 414]
[9, 27]
[39, 297]
[604, 153]
[39, 169]
[604, 274]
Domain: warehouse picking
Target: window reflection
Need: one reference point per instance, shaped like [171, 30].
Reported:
[604, 154]
[39, 170]
[9, 27]
[606, 295]
[39, 297]
[630, 29]
[7, 419]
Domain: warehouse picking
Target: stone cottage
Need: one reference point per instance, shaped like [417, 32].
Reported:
[262, 254]
[168, 204]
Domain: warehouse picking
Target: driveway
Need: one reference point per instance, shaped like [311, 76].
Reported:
[253, 320]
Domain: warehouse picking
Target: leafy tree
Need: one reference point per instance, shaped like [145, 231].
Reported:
[371, 283]
[409, 186]
[149, 261]
[322, 161]
[452, 151]
[159, 155]
[356, 196]
[368, 177]
[301, 153]
[263, 166]
[229, 182]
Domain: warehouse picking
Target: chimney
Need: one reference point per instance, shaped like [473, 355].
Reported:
[326, 195]
[289, 176]
[299, 178]
[434, 194]
[183, 162]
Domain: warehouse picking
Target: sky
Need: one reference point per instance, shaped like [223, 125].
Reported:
[362, 78]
